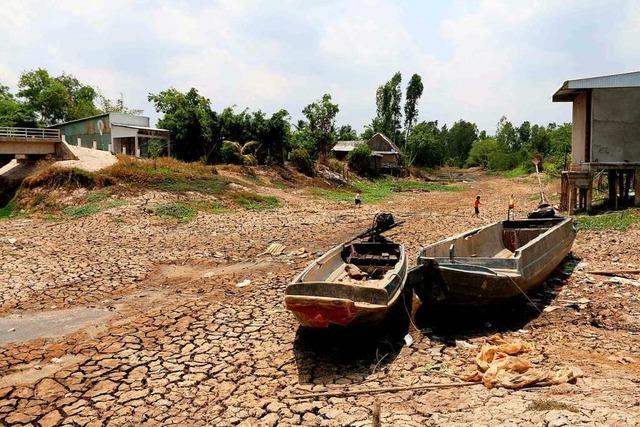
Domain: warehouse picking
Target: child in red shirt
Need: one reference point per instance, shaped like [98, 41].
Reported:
[476, 206]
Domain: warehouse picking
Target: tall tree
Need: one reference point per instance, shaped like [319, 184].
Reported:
[460, 138]
[389, 111]
[347, 133]
[194, 127]
[414, 92]
[56, 99]
[321, 115]
[117, 105]
[425, 145]
[506, 135]
[14, 113]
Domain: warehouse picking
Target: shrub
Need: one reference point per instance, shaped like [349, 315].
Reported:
[359, 158]
[302, 161]
[254, 201]
[501, 161]
[335, 165]
[230, 154]
[481, 152]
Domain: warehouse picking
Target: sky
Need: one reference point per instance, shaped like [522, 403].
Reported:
[479, 60]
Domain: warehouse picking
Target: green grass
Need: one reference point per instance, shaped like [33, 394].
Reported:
[8, 210]
[515, 173]
[179, 211]
[97, 196]
[83, 210]
[96, 202]
[255, 201]
[213, 208]
[379, 190]
[619, 221]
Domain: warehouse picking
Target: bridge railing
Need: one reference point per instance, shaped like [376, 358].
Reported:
[29, 133]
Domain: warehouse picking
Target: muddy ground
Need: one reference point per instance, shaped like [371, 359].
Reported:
[122, 318]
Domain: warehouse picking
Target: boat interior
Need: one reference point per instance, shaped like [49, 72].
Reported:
[365, 263]
[499, 240]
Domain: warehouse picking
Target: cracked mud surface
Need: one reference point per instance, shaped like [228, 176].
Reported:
[184, 345]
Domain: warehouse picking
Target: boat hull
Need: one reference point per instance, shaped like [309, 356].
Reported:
[487, 281]
[320, 304]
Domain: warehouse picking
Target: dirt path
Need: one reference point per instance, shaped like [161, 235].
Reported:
[183, 344]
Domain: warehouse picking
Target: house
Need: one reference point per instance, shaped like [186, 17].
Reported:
[605, 139]
[114, 132]
[386, 155]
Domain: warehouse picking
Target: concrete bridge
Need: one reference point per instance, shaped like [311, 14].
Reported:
[32, 143]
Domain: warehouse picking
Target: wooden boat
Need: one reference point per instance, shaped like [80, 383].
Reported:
[493, 263]
[356, 282]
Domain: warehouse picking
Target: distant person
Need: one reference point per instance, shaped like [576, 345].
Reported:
[476, 206]
[358, 200]
[511, 213]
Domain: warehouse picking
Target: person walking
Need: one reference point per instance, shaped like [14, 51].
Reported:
[476, 206]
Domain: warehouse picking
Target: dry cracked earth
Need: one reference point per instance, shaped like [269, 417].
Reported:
[122, 318]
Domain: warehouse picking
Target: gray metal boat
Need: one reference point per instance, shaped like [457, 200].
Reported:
[493, 263]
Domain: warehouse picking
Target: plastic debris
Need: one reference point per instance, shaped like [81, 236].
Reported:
[498, 365]
[274, 249]
[244, 283]
[408, 340]
[12, 241]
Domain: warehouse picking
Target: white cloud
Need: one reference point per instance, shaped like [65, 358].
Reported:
[478, 60]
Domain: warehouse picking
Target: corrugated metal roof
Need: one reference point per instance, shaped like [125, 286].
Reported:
[138, 127]
[347, 145]
[571, 88]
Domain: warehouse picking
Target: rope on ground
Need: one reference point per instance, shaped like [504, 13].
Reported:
[523, 293]
[344, 393]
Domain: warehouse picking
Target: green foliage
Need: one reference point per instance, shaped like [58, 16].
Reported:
[194, 127]
[321, 115]
[507, 136]
[501, 161]
[230, 154]
[83, 210]
[482, 151]
[303, 139]
[239, 154]
[255, 201]
[302, 161]
[107, 105]
[425, 145]
[618, 221]
[360, 158]
[347, 133]
[8, 210]
[516, 172]
[389, 114]
[335, 165]
[414, 92]
[56, 99]
[460, 138]
[179, 211]
[13, 112]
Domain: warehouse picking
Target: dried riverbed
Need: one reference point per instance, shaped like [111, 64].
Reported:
[143, 322]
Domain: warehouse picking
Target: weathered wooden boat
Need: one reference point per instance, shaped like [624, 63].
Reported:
[356, 282]
[493, 263]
